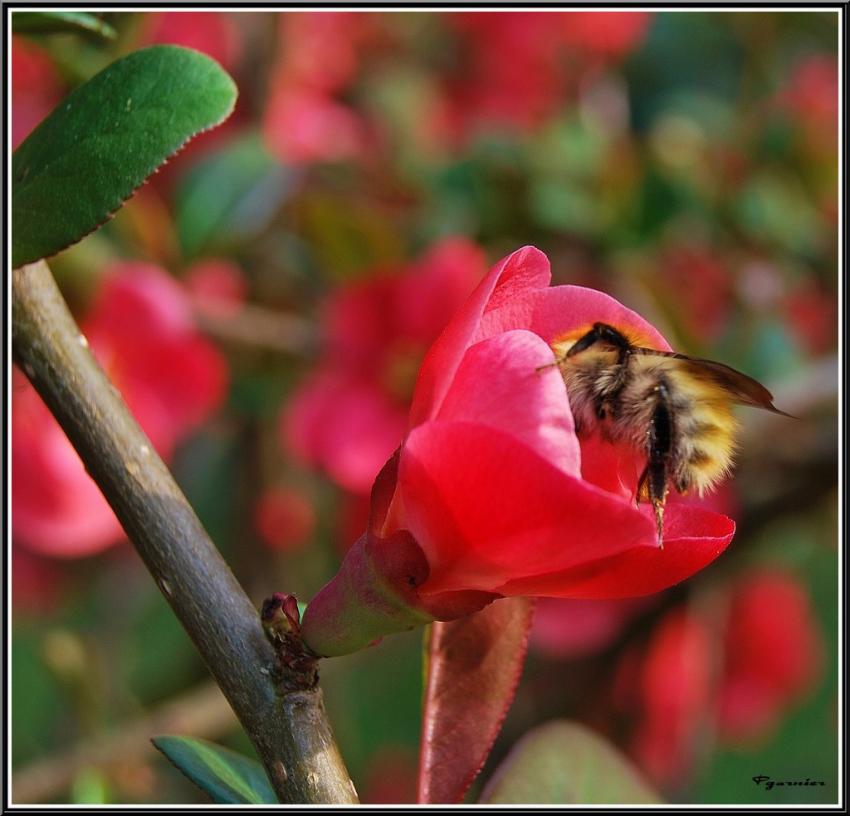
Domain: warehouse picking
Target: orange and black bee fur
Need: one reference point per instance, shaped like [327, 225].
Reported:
[675, 409]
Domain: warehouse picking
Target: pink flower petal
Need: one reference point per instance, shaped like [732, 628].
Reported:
[693, 538]
[181, 380]
[140, 329]
[284, 518]
[345, 426]
[527, 268]
[559, 310]
[133, 298]
[57, 509]
[218, 286]
[486, 509]
[442, 280]
[302, 125]
[675, 687]
[499, 384]
[774, 653]
[606, 33]
[36, 87]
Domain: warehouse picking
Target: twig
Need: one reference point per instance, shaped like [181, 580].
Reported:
[289, 730]
[201, 712]
[262, 328]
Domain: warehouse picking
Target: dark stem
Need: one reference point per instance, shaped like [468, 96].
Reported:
[290, 730]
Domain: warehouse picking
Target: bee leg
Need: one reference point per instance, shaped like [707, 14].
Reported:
[654, 481]
[648, 491]
[642, 494]
[652, 488]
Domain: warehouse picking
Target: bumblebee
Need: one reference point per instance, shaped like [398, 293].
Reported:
[677, 410]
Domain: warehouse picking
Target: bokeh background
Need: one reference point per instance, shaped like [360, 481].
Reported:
[264, 302]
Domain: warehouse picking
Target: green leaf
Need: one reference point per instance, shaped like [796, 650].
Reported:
[229, 197]
[90, 787]
[105, 138]
[227, 777]
[59, 22]
[564, 762]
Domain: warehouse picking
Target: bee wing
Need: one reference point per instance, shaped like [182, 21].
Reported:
[741, 388]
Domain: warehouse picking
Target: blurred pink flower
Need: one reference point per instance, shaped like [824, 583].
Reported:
[319, 57]
[606, 34]
[210, 32]
[36, 87]
[36, 583]
[284, 518]
[812, 315]
[320, 49]
[732, 673]
[351, 414]
[810, 96]
[512, 68]
[565, 628]
[675, 692]
[773, 654]
[699, 287]
[217, 286]
[304, 125]
[140, 329]
[508, 71]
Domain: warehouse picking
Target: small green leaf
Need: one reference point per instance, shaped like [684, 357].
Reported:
[229, 197]
[565, 763]
[90, 788]
[227, 777]
[105, 138]
[59, 22]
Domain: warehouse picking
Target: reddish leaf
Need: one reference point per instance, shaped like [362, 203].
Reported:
[473, 668]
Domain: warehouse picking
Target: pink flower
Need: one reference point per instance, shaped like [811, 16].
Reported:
[812, 315]
[512, 68]
[732, 673]
[319, 57]
[320, 49]
[564, 628]
[350, 415]
[302, 125]
[210, 32]
[675, 688]
[608, 34]
[508, 71]
[36, 88]
[217, 286]
[699, 288]
[491, 492]
[773, 654]
[284, 518]
[140, 329]
[811, 94]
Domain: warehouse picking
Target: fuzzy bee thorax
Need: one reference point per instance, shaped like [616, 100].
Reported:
[674, 409]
